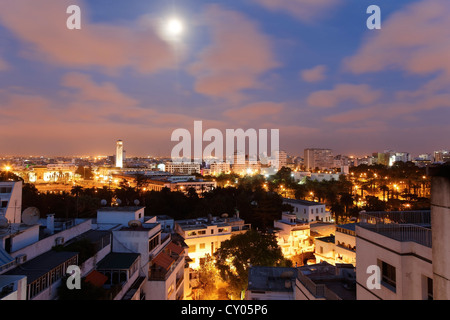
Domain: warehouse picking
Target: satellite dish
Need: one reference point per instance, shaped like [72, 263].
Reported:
[136, 202]
[224, 215]
[103, 202]
[118, 201]
[134, 223]
[30, 216]
[4, 223]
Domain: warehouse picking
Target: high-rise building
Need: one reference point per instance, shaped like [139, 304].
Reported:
[442, 156]
[318, 158]
[280, 159]
[119, 154]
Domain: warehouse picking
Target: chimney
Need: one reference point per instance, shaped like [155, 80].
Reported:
[440, 227]
[51, 223]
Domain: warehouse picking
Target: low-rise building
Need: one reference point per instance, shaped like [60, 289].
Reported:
[205, 235]
[324, 281]
[293, 235]
[309, 211]
[271, 283]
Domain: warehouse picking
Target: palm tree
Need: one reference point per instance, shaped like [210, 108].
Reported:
[76, 190]
[347, 201]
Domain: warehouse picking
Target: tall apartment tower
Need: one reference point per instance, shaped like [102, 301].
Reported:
[318, 158]
[119, 154]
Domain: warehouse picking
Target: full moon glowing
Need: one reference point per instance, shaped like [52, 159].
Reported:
[174, 26]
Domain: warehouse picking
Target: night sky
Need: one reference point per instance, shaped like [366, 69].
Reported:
[311, 69]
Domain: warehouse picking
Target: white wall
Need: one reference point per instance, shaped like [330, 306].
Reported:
[35, 249]
[119, 217]
[411, 260]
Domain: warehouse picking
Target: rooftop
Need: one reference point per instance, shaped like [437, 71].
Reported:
[277, 279]
[42, 264]
[203, 223]
[124, 209]
[403, 226]
[324, 280]
[329, 239]
[143, 227]
[348, 226]
[302, 202]
[117, 260]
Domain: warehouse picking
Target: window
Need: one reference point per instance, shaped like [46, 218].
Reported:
[153, 243]
[304, 211]
[320, 249]
[212, 231]
[321, 210]
[388, 278]
[192, 248]
[202, 246]
[429, 284]
[296, 209]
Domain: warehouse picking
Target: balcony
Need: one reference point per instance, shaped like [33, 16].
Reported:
[403, 226]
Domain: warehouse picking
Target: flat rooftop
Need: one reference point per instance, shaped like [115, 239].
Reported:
[348, 226]
[143, 227]
[328, 239]
[117, 261]
[271, 278]
[339, 279]
[42, 264]
[124, 209]
[203, 223]
[303, 202]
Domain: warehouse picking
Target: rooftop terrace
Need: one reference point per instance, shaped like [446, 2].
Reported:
[414, 226]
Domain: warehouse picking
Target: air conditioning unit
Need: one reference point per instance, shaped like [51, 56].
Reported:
[21, 259]
[59, 241]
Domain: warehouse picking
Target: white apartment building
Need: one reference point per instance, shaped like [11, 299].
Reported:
[339, 248]
[399, 244]
[292, 235]
[205, 235]
[309, 211]
[162, 261]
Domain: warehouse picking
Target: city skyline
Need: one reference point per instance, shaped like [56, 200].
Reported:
[323, 79]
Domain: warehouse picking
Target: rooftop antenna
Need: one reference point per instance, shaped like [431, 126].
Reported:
[30, 216]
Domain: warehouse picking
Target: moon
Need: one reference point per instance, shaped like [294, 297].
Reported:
[175, 26]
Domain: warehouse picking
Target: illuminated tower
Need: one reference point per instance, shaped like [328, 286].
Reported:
[119, 154]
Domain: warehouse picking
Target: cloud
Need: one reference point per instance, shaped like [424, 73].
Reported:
[315, 74]
[305, 10]
[255, 111]
[415, 39]
[3, 65]
[359, 93]
[237, 56]
[89, 91]
[41, 27]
